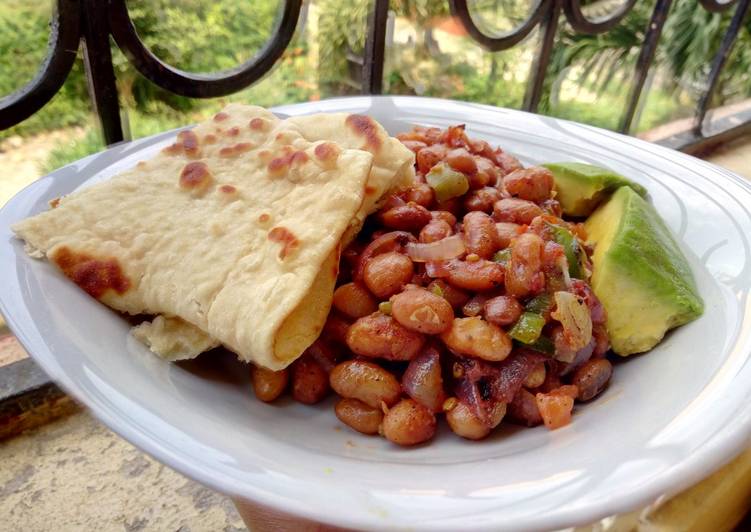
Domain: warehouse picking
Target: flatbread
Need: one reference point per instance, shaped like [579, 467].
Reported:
[392, 170]
[228, 230]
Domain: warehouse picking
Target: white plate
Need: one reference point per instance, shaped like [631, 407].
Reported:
[667, 420]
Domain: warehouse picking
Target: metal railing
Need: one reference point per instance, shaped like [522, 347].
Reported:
[90, 23]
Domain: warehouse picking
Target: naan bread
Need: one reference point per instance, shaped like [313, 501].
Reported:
[233, 229]
[392, 170]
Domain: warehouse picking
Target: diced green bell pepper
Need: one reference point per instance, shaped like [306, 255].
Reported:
[446, 182]
[527, 328]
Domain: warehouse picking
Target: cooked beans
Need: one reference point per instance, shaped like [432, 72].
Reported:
[310, 382]
[268, 384]
[477, 338]
[536, 377]
[423, 381]
[487, 171]
[409, 217]
[354, 300]
[385, 274]
[455, 296]
[428, 157]
[482, 199]
[523, 409]
[358, 415]
[503, 310]
[408, 423]
[415, 330]
[421, 193]
[434, 231]
[446, 216]
[462, 161]
[478, 276]
[422, 311]
[534, 183]
[524, 274]
[465, 423]
[506, 232]
[366, 382]
[381, 336]
[480, 236]
[592, 378]
[515, 210]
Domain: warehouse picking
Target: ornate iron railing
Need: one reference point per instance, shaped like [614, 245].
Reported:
[92, 22]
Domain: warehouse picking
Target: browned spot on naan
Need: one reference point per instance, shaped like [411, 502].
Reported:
[220, 116]
[95, 276]
[365, 127]
[286, 238]
[196, 176]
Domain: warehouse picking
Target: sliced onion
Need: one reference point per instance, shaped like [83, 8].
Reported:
[438, 269]
[574, 315]
[444, 249]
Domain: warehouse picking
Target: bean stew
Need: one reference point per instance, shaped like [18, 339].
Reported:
[465, 297]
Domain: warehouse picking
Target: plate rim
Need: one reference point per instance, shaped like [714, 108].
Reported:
[719, 449]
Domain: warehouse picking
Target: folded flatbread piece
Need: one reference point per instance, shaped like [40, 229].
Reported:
[392, 170]
[235, 229]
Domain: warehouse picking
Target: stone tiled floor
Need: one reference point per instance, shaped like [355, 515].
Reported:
[74, 474]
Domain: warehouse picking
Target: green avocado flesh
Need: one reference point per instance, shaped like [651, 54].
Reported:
[639, 273]
[581, 187]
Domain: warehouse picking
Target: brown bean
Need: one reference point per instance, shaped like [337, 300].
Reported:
[482, 199]
[506, 232]
[515, 210]
[414, 145]
[524, 274]
[359, 416]
[409, 217]
[420, 193]
[523, 409]
[436, 230]
[455, 296]
[536, 377]
[335, 329]
[366, 382]
[446, 216]
[385, 274]
[354, 300]
[480, 236]
[477, 276]
[428, 157]
[476, 337]
[423, 381]
[489, 169]
[268, 384]
[381, 336]
[503, 310]
[602, 341]
[310, 382]
[534, 183]
[507, 162]
[408, 423]
[592, 378]
[465, 423]
[422, 311]
[462, 161]
[475, 305]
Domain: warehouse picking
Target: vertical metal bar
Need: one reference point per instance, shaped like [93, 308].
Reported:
[100, 74]
[646, 56]
[375, 48]
[718, 63]
[548, 26]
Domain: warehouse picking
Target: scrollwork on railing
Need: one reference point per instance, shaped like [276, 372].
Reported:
[503, 41]
[201, 85]
[65, 33]
[92, 22]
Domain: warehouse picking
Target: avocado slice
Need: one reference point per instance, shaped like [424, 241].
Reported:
[639, 273]
[581, 187]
